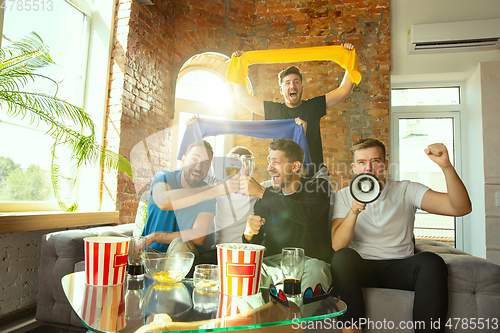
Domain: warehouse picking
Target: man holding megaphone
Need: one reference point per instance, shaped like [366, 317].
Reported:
[373, 236]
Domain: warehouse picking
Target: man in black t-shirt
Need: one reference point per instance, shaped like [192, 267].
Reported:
[307, 113]
[293, 213]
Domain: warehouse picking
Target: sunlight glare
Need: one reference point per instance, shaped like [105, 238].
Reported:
[204, 86]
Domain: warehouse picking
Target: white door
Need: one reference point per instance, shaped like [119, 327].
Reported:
[412, 132]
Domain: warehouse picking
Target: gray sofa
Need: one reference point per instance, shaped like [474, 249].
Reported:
[474, 283]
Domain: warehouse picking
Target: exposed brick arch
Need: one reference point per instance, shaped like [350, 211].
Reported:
[199, 45]
[211, 59]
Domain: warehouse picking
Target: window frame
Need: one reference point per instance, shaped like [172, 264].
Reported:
[430, 112]
[428, 87]
[98, 34]
[229, 139]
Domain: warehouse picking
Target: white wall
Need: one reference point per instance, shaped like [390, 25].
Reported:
[473, 166]
[436, 67]
[490, 102]
[463, 69]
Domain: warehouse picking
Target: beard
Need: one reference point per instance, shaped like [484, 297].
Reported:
[191, 181]
[284, 180]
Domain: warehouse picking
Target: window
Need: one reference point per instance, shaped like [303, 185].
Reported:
[415, 133]
[425, 96]
[204, 93]
[65, 26]
[204, 86]
[415, 125]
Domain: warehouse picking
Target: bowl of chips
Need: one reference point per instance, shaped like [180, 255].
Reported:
[168, 268]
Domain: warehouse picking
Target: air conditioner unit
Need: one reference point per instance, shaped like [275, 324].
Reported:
[478, 35]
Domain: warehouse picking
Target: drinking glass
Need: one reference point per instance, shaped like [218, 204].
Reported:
[205, 302]
[232, 164]
[292, 267]
[135, 251]
[248, 165]
[206, 277]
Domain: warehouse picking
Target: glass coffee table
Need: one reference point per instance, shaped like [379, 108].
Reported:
[141, 305]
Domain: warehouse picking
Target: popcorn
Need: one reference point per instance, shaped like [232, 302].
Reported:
[240, 246]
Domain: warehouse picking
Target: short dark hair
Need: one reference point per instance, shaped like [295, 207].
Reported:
[289, 70]
[207, 145]
[293, 151]
[368, 143]
[241, 151]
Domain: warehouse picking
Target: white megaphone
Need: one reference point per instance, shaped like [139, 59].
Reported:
[365, 188]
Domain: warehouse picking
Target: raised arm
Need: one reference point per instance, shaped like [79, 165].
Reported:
[168, 199]
[456, 201]
[252, 103]
[336, 96]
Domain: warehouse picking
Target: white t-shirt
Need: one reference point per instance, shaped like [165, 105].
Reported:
[384, 230]
[232, 214]
[229, 228]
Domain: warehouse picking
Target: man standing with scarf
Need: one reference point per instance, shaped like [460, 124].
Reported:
[307, 113]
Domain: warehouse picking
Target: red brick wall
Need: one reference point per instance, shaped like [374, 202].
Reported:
[293, 24]
[141, 101]
[153, 42]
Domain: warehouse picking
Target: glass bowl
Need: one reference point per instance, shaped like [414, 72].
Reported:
[173, 299]
[164, 268]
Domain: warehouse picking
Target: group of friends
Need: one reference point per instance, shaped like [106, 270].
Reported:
[359, 245]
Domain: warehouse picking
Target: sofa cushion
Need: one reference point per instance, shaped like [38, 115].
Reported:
[59, 251]
[466, 273]
[119, 230]
[388, 305]
[436, 247]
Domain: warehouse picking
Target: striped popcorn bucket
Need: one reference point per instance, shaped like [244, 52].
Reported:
[105, 260]
[104, 308]
[239, 268]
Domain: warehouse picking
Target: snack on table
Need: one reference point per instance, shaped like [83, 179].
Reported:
[239, 268]
[170, 276]
[167, 268]
[240, 246]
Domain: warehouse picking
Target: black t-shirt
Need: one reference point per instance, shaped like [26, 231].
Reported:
[297, 220]
[311, 111]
